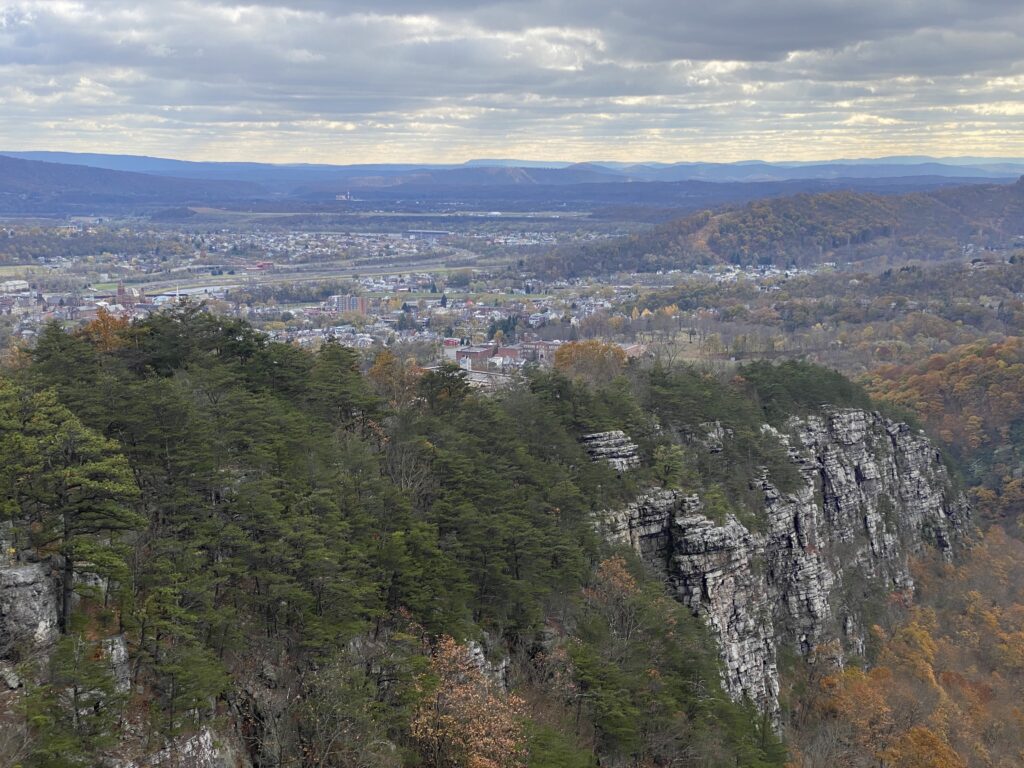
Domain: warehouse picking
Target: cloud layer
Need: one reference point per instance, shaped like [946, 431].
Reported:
[446, 80]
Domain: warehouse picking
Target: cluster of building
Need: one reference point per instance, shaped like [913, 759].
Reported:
[29, 309]
[302, 247]
[510, 357]
[761, 274]
[265, 276]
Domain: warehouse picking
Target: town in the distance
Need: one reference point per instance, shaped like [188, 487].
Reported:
[499, 276]
[440, 295]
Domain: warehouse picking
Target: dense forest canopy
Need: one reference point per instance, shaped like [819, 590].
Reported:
[947, 682]
[241, 511]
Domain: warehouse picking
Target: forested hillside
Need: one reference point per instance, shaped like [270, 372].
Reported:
[218, 545]
[812, 228]
[339, 568]
[38, 187]
[970, 397]
[946, 687]
[948, 679]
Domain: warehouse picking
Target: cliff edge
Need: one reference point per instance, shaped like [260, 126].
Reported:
[873, 493]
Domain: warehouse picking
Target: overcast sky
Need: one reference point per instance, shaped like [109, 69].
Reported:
[449, 80]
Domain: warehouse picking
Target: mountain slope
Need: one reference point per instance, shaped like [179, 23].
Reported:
[812, 228]
[48, 188]
[32, 185]
[746, 171]
[58, 182]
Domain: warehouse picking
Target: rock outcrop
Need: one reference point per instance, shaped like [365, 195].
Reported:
[803, 572]
[28, 613]
[204, 749]
[115, 650]
[495, 671]
[28, 606]
[615, 447]
[28, 601]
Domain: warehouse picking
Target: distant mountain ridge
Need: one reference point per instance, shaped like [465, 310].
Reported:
[758, 171]
[60, 183]
[498, 171]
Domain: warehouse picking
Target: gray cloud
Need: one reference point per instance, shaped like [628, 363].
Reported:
[445, 79]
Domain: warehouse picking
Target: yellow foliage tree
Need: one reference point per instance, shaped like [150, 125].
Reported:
[594, 361]
[920, 747]
[393, 379]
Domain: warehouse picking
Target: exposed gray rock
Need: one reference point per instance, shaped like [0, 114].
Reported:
[615, 447]
[116, 652]
[874, 492]
[715, 436]
[28, 606]
[495, 671]
[204, 749]
[9, 676]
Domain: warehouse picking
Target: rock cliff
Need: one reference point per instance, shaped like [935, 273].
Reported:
[811, 563]
[614, 447]
[28, 606]
[204, 749]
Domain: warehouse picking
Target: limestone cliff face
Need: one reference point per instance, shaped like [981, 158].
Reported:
[28, 601]
[28, 606]
[614, 447]
[873, 493]
[205, 749]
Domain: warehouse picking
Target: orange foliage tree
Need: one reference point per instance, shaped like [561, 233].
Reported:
[106, 332]
[464, 722]
[394, 380]
[921, 747]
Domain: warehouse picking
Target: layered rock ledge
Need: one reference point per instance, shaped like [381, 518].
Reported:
[874, 493]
